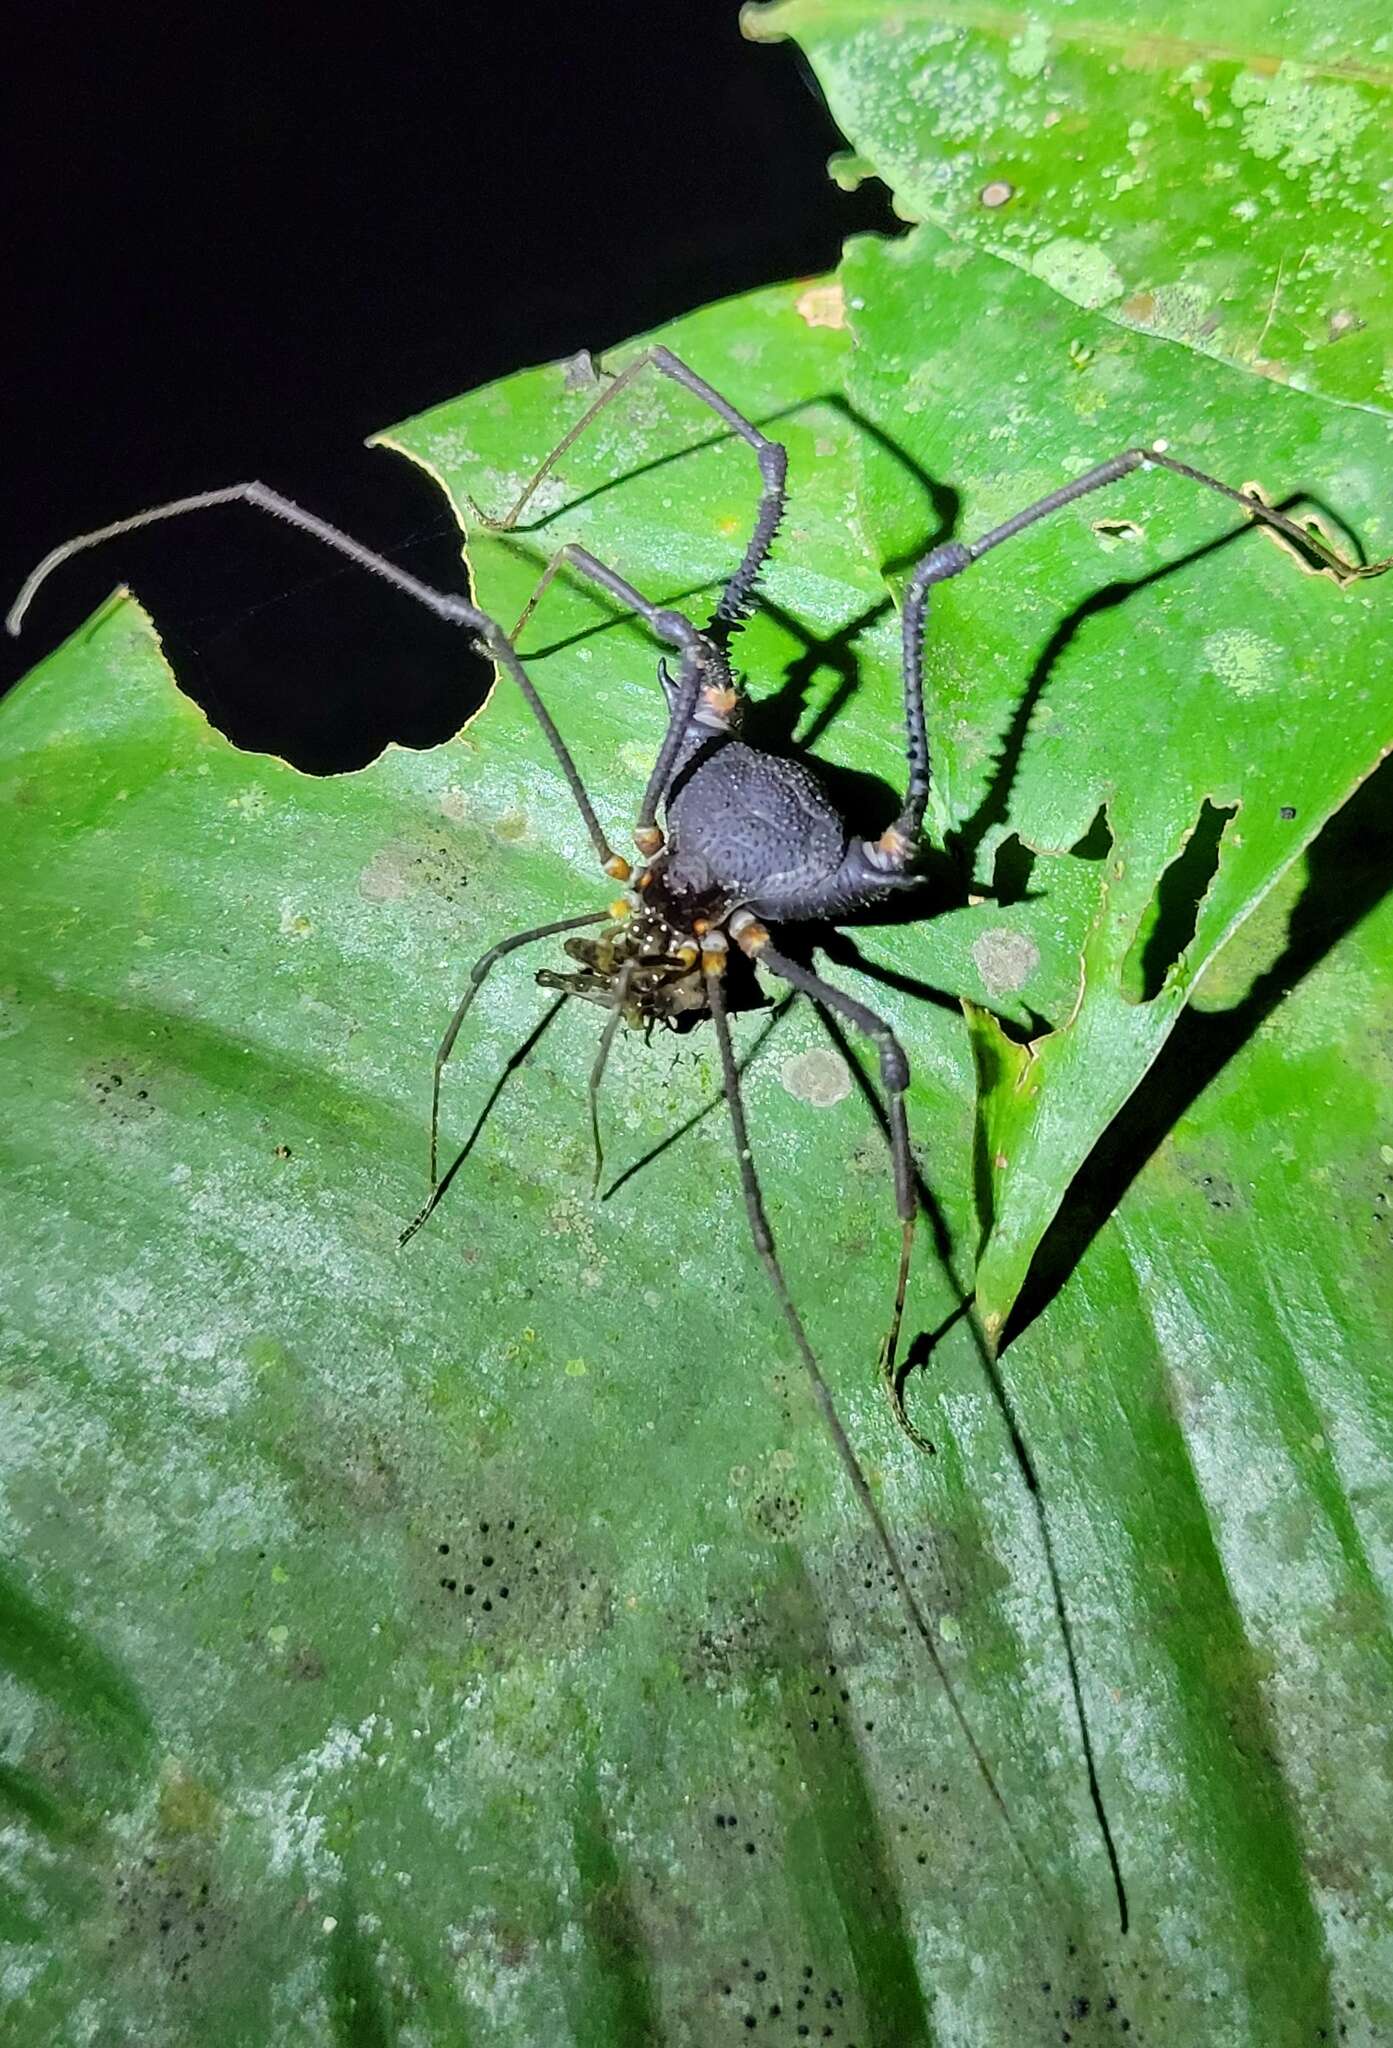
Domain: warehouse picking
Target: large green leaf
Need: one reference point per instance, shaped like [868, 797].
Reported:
[283, 1766]
[1223, 182]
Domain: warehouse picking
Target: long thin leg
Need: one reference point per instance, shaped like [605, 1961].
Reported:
[689, 1123]
[489, 637]
[672, 626]
[478, 975]
[701, 662]
[954, 557]
[597, 1071]
[822, 1395]
[702, 666]
[772, 457]
[516, 1058]
[539, 590]
[753, 940]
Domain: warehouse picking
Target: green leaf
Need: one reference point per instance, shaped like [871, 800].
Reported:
[691, 1749]
[1220, 182]
[1141, 711]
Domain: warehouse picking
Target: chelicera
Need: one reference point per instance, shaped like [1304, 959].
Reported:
[751, 845]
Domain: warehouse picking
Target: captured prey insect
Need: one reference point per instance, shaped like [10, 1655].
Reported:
[751, 845]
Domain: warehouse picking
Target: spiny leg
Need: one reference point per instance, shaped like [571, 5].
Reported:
[771, 456]
[490, 638]
[955, 556]
[702, 662]
[478, 975]
[822, 1395]
[754, 941]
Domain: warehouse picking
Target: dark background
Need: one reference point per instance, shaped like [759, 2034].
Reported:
[244, 237]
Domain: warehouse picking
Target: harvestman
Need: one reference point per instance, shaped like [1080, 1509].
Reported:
[750, 840]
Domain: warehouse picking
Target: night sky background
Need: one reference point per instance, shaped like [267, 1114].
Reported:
[247, 236]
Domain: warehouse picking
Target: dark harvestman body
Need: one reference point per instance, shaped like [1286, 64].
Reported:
[750, 841]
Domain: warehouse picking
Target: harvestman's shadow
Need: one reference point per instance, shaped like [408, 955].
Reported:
[948, 876]
[994, 809]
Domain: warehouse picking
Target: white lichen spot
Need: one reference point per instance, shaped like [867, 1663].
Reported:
[293, 923]
[578, 372]
[1005, 959]
[1243, 661]
[1081, 271]
[571, 1217]
[819, 1078]
[1299, 121]
[1025, 58]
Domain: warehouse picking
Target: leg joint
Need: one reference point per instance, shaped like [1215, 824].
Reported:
[894, 1063]
[949, 560]
[676, 629]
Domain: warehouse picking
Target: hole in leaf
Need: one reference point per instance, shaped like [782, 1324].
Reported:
[1011, 872]
[1169, 923]
[1096, 843]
